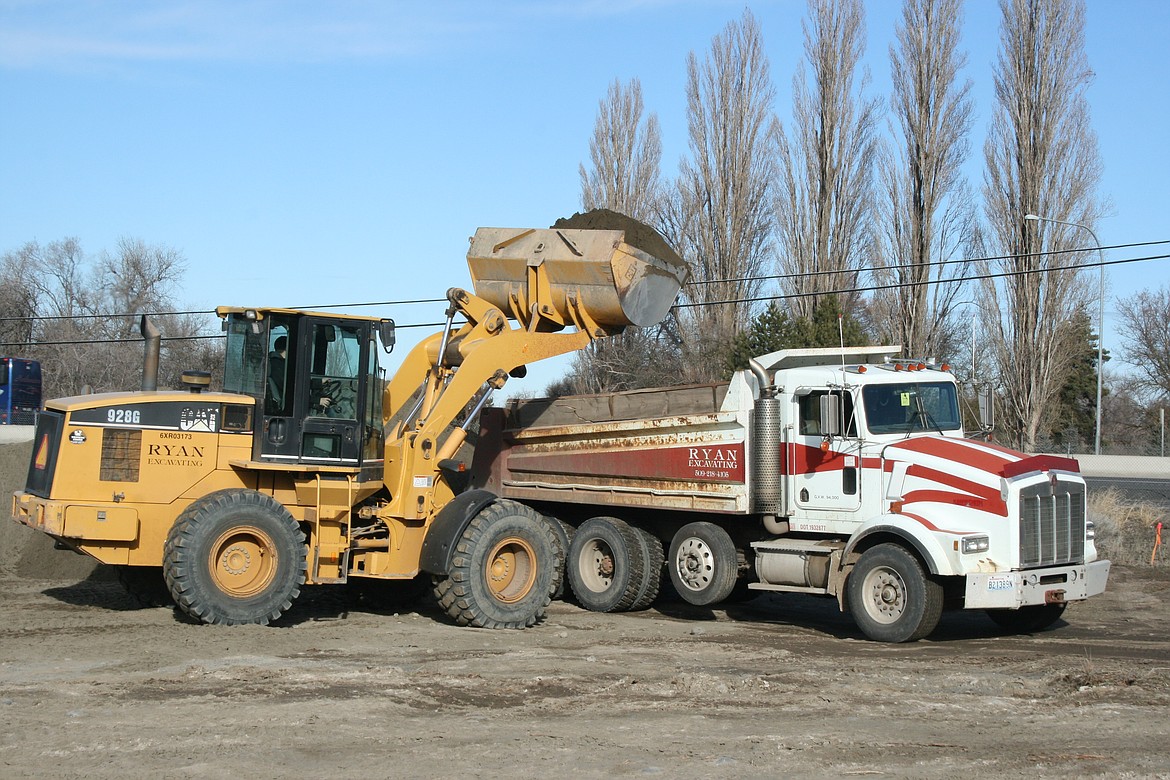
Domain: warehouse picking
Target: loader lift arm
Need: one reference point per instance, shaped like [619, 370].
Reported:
[545, 280]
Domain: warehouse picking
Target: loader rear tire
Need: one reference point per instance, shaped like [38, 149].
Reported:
[235, 556]
[606, 565]
[703, 563]
[504, 569]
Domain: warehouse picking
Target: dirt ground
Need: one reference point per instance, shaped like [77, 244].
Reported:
[91, 686]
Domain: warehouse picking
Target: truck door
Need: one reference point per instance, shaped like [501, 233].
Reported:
[825, 471]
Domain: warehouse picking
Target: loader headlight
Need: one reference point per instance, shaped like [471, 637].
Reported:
[976, 544]
[1090, 530]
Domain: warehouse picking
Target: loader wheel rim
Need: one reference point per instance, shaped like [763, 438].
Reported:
[243, 561]
[885, 594]
[511, 570]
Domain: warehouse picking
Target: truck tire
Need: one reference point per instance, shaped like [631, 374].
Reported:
[703, 563]
[504, 569]
[606, 565]
[652, 575]
[145, 585]
[891, 597]
[564, 534]
[1027, 620]
[235, 556]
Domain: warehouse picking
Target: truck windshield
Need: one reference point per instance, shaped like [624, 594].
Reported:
[912, 406]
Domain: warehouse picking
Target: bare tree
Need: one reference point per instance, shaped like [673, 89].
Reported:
[81, 314]
[925, 208]
[626, 152]
[826, 161]
[1042, 158]
[720, 215]
[1145, 331]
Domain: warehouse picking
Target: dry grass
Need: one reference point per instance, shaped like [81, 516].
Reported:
[1126, 528]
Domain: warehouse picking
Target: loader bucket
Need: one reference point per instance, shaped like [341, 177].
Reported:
[531, 273]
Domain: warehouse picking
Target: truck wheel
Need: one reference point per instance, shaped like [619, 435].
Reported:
[606, 565]
[235, 556]
[891, 597]
[145, 585]
[652, 575]
[504, 569]
[1027, 620]
[703, 563]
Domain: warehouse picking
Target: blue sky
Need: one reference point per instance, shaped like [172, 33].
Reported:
[305, 153]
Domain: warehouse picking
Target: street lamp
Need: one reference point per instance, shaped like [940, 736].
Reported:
[1100, 316]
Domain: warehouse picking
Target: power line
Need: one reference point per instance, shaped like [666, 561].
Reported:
[961, 261]
[895, 285]
[759, 299]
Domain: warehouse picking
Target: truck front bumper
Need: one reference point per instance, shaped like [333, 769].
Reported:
[1053, 585]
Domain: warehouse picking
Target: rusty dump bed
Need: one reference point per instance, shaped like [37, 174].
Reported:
[680, 448]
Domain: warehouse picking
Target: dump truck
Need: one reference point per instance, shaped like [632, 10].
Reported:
[311, 467]
[843, 472]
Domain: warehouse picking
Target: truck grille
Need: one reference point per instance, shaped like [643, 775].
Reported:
[1052, 525]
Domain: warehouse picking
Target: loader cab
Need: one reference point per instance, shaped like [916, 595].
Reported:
[316, 382]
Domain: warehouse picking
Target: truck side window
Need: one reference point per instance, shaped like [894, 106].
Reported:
[809, 414]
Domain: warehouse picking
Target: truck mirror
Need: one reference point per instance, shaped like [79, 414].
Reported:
[830, 415]
[986, 407]
[386, 334]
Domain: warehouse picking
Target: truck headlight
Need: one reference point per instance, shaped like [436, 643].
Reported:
[1090, 530]
[976, 544]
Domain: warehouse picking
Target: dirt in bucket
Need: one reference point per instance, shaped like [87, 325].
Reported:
[638, 234]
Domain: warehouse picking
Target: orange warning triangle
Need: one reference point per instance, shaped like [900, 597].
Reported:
[42, 460]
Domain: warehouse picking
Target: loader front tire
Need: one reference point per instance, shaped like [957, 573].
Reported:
[504, 570]
[235, 556]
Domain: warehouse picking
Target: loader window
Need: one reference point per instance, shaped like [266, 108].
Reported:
[336, 364]
[246, 349]
[279, 390]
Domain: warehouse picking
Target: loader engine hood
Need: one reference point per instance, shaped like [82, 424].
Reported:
[963, 472]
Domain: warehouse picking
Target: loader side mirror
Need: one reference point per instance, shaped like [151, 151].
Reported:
[386, 334]
[830, 414]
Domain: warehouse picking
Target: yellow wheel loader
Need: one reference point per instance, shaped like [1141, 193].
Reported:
[311, 467]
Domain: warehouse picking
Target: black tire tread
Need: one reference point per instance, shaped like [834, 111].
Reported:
[632, 568]
[457, 594]
[181, 556]
[916, 579]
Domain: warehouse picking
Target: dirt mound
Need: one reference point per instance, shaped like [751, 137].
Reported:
[638, 234]
[24, 552]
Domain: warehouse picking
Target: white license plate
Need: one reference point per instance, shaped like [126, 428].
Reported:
[1001, 583]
